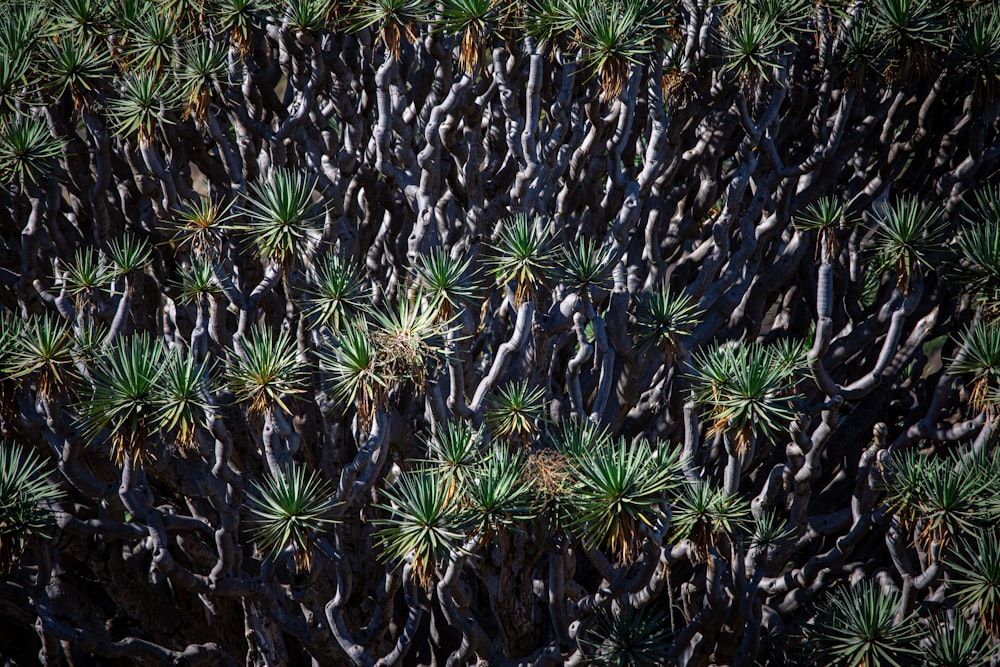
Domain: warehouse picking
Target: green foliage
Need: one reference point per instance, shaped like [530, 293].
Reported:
[586, 266]
[266, 372]
[978, 248]
[87, 274]
[663, 318]
[197, 282]
[703, 514]
[336, 294]
[523, 256]
[25, 496]
[78, 19]
[43, 351]
[981, 344]
[308, 15]
[410, 339]
[947, 495]
[827, 216]
[282, 216]
[182, 397]
[977, 44]
[11, 330]
[201, 226]
[13, 73]
[390, 19]
[354, 364]
[623, 636]
[904, 480]
[287, 510]
[907, 234]
[749, 389]
[454, 449]
[445, 280]
[423, 525]
[151, 44]
[497, 494]
[238, 18]
[474, 21]
[577, 439]
[186, 15]
[88, 342]
[77, 65]
[615, 33]
[204, 70]
[129, 254]
[619, 489]
[854, 627]
[864, 47]
[124, 14]
[977, 580]
[554, 20]
[910, 25]
[751, 43]
[24, 25]
[957, 644]
[515, 411]
[400, 344]
[769, 530]
[144, 97]
[123, 396]
[28, 151]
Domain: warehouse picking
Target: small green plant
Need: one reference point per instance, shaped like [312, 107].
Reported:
[662, 320]
[43, 351]
[267, 372]
[423, 524]
[445, 280]
[523, 257]
[981, 344]
[855, 627]
[139, 109]
[336, 294]
[201, 226]
[496, 494]
[123, 396]
[353, 362]
[623, 636]
[129, 254]
[515, 411]
[617, 492]
[281, 216]
[907, 234]
[26, 495]
[585, 265]
[749, 389]
[28, 152]
[977, 580]
[957, 644]
[703, 514]
[182, 398]
[827, 216]
[288, 509]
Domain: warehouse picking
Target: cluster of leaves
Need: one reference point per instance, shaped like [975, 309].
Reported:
[860, 625]
[26, 497]
[952, 500]
[171, 61]
[604, 491]
[380, 349]
[749, 390]
[288, 509]
[943, 497]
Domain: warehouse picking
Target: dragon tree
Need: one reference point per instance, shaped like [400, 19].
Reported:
[485, 332]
